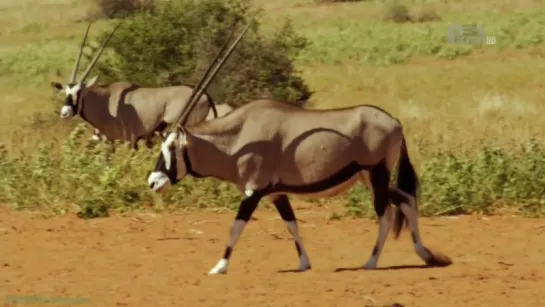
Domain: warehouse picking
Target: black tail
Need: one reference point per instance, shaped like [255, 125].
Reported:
[213, 106]
[407, 181]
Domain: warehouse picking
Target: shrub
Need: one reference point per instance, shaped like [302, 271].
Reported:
[176, 44]
[76, 176]
[397, 13]
[400, 13]
[120, 8]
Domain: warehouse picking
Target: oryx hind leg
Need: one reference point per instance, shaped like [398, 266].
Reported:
[379, 177]
[284, 208]
[407, 204]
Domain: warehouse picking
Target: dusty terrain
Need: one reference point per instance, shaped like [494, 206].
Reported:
[161, 260]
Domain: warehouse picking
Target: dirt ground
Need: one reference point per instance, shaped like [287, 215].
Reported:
[161, 260]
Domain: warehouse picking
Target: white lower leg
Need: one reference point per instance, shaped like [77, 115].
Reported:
[304, 261]
[223, 263]
[383, 229]
[419, 247]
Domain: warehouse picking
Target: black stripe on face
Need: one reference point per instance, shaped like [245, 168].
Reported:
[161, 166]
[69, 101]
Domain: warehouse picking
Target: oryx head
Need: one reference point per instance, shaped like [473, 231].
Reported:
[171, 166]
[73, 89]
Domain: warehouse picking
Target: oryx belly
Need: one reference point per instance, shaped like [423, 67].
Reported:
[335, 190]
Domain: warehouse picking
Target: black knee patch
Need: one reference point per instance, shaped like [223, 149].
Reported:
[283, 205]
[380, 178]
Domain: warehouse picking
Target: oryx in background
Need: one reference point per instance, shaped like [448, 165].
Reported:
[123, 110]
[273, 149]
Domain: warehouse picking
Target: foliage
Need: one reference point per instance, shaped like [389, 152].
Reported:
[120, 8]
[484, 182]
[176, 44]
[78, 174]
[400, 13]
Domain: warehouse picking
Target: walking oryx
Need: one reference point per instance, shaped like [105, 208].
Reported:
[123, 110]
[272, 149]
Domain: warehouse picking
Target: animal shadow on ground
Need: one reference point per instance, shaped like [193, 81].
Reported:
[290, 271]
[388, 268]
[360, 268]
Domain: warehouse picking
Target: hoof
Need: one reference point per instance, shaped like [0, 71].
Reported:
[220, 268]
[215, 271]
[438, 259]
[304, 268]
[370, 266]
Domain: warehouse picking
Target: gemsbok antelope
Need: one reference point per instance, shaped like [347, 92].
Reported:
[273, 149]
[123, 110]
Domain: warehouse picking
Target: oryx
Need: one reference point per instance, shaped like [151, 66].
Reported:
[123, 110]
[273, 149]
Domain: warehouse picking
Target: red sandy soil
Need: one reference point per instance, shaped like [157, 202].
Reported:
[161, 260]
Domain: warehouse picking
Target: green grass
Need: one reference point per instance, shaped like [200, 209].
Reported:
[471, 113]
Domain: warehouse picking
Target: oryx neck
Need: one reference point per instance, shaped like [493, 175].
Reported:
[93, 108]
[204, 159]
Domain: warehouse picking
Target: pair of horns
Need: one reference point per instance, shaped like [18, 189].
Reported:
[95, 59]
[209, 75]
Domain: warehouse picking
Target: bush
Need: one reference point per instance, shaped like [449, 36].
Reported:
[76, 176]
[120, 8]
[484, 182]
[176, 44]
[400, 13]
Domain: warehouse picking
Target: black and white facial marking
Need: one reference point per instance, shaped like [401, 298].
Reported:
[171, 165]
[72, 92]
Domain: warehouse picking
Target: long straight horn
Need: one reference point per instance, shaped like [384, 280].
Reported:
[184, 116]
[78, 59]
[203, 79]
[98, 54]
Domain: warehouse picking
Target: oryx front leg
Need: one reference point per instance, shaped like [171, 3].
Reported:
[245, 211]
[285, 209]
[380, 177]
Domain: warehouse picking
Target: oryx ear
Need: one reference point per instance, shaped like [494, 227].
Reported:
[91, 81]
[56, 85]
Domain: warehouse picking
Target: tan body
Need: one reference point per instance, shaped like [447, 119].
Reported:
[124, 111]
[272, 149]
[277, 142]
